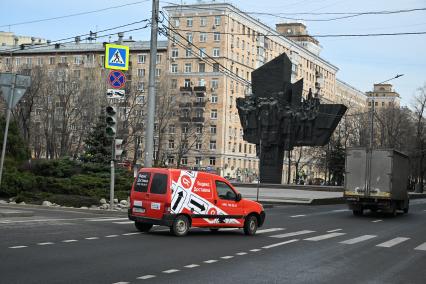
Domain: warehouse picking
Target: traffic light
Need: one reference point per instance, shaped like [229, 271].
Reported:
[111, 121]
[118, 148]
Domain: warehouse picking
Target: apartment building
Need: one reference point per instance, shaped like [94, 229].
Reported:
[383, 95]
[10, 39]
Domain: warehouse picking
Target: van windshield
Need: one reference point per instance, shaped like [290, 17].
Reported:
[142, 181]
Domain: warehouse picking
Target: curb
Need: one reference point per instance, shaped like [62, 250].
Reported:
[301, 201]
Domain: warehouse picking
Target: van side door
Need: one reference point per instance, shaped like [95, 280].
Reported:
[157, 196]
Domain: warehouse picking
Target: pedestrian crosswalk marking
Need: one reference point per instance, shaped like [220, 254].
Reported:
[332, 231]
[297, 216]
[124, 222]
[280, 244]
[324, 237]
[146, 277]
[269, 230]
[358, 239]
[393, 242]
[292, 234]
[421, 247]
[107, 219]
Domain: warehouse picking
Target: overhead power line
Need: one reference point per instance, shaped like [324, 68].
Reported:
[74, 15]
[73, 37]
[318, 35]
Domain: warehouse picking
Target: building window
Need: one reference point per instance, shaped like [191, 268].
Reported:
[214, 98]
[213, 129]
[197, 160]
[174, 83]
[201, 67]
[189, 22]
[140, 100]
[184, 161]
[213, 114]
[217, 20]
[212, 161]
[39, 61]
[141, 86]
[177, 22]
[158, 59]
[203, 21]
[202, 52]
[17, 61]
[174, 68]
[188, 67]
[76, 73]
[141, 58]
[170, 160]
[201, 82]
[187, 83]
[216, 52]
[77, 60]
[8, 61]
[216, 36]
[215, 83]
[198, 145]
[172, 128]
[189, 37]
[29, 61]
[63, 59]
[203, 37]
[175, 52]
[171, 144]
[215, 67]
[188, 52]
[157, 72]
[199, 113]
[212, 145]
[141, 72]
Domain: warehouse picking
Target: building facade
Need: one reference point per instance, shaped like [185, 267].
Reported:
[10, 39]
[202, 68]
[382, 96]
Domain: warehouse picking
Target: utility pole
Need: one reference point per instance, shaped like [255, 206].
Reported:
[149, 137]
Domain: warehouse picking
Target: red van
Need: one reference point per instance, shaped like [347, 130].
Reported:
[181, 199]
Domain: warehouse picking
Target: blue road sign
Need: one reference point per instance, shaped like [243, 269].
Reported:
[116, 79]
[116, 57]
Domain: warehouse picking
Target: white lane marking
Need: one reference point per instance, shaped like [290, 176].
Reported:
[170, 271]
[376, 221]
[324, 237]
[69, 241]
[17, 247]
[340, 210]
[241, 253]
[124, 222]
[269, 230]
[45, 244]
[121, 282]
[92, 238]
[332, 231]
[210, 261]
[111, 236]
[227, 257]
[280, 244]
[46, 220]
[421, 247]
[297, 216]
[255, 250]
[392, 242]
[358, 239]
[146, 277]
[107, 219]
[292, 234]
[131, 234]
[191, 265]
[229, 229]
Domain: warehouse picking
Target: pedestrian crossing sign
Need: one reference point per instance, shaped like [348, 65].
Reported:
[116, 57]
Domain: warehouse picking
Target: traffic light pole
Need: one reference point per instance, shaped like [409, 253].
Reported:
[149, 137]
[111, 189]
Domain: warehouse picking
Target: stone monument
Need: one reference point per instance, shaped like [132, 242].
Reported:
[276, 117]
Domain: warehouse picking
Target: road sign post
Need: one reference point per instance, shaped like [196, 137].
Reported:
[13, 87]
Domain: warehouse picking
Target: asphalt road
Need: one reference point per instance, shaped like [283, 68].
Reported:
[298, 244]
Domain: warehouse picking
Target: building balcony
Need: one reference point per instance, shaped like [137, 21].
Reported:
[186, 89]
[184, 119]
[185, 105]
[199, 104]
[200, 89]
[198, 119]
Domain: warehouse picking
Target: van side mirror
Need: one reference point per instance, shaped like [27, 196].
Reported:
[238, 198]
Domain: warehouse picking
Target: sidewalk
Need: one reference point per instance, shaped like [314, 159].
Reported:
[296, 196]
[291, 196]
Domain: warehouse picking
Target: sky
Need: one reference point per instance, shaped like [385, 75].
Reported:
[362, 61]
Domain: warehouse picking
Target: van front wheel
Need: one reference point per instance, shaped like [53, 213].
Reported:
[180, 226]
[143, 227]
[250, 225]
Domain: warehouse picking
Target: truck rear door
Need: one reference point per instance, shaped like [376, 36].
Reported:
[158, 195]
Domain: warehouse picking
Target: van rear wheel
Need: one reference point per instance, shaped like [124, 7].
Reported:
[250, 225]
[143, 227]
[180, 226]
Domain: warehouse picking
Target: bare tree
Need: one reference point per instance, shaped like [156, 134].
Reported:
[419, 154]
